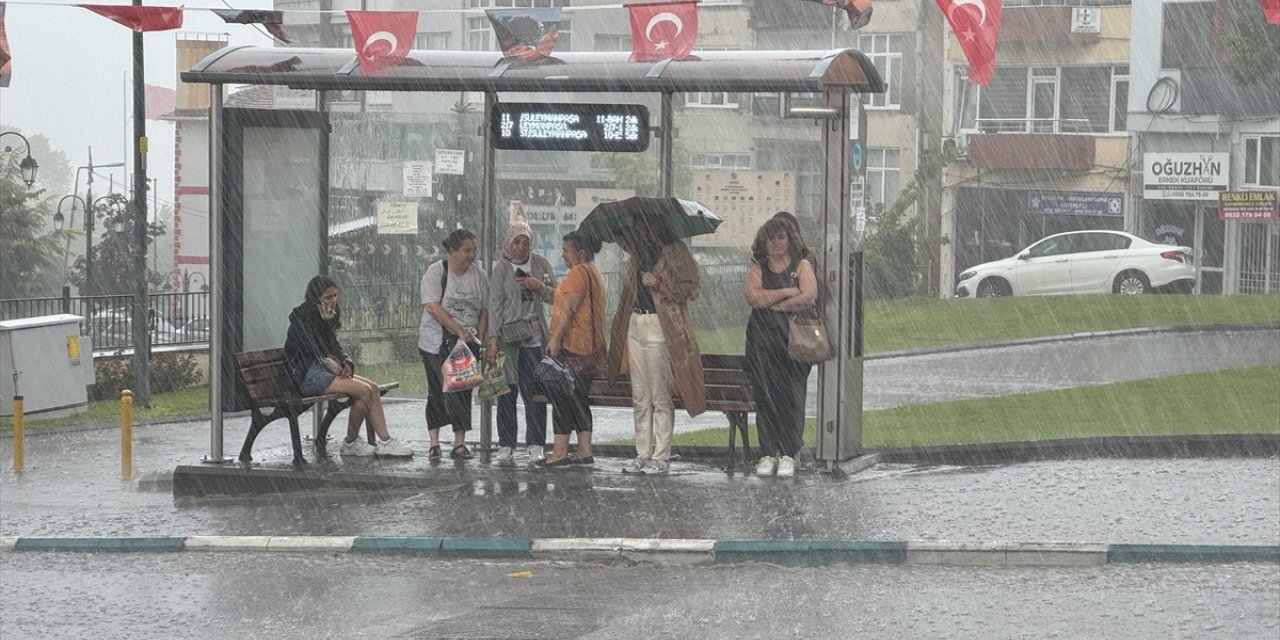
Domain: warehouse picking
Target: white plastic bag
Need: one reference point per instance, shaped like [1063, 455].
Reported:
[461, 369]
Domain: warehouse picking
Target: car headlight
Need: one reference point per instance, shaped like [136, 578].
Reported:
[966, 275]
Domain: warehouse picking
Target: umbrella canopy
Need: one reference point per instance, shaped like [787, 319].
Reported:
[685, 218]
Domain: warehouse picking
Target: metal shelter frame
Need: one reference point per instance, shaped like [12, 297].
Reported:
[838, 75]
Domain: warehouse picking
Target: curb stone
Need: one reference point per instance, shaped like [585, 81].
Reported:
[784, 552]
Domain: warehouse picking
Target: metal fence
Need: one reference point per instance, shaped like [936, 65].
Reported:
[173, 318]
[183, 318]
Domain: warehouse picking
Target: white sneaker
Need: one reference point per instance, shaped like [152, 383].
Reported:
[634, 465]
[357, 447]
[656, 467]
[786, 467]
[392, 448]
[536, 454]
[766, 466]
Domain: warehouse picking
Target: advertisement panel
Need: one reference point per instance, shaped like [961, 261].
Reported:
[1184, 176]
[1247, 205]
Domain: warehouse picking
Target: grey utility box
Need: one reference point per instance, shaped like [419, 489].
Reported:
[53, 365]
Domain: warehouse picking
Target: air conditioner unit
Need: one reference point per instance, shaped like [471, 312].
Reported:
[957, 141]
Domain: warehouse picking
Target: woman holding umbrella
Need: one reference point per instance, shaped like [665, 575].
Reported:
[654, 328]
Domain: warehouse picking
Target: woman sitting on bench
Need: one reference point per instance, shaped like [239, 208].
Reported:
[316, 365]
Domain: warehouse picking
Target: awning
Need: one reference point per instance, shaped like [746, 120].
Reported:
[484, 71]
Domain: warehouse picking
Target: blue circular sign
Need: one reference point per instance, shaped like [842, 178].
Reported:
[856, 153]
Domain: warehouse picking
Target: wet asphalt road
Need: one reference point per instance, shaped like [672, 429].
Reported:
[236, 595]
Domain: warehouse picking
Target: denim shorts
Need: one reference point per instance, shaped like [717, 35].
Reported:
[317, 381]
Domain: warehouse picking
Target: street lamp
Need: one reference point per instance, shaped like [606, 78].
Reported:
[60, 221]
[188, 276]
[28, 165]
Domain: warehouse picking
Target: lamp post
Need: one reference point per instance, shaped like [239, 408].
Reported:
[60, 221]
[28, 165]
[188, 276]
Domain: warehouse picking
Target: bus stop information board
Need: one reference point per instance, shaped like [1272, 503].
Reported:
[570, 127]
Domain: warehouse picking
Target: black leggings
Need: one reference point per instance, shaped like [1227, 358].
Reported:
[444, 409]
[574, 414]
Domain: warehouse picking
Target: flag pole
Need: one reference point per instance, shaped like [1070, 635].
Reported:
[141, 330]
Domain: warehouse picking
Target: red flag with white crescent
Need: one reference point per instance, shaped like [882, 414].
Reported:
[1271, 10]
[382, 38]
[662, 30]
[6, 58]
[976, 24]
[139, 18]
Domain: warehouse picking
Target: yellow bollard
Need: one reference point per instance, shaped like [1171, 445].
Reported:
[126, 434]
[19, 445]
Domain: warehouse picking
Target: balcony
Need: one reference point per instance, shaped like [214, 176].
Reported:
[1035, 143]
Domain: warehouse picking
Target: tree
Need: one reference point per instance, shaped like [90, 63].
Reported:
[113, 270]
[640, 171]
[1251, 42]
[894, 250]
[30, 256]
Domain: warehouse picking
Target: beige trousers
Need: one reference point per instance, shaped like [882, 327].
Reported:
[650, 366]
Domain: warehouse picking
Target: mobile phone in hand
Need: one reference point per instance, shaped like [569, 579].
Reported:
[521, 273]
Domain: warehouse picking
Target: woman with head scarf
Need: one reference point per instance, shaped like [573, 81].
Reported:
[653, 331]
[521, 284]
[312, 350]
[454, 293]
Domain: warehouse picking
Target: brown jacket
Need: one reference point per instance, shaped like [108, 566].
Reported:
[680, 285]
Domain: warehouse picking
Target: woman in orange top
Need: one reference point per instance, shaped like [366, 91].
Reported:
[577, 338]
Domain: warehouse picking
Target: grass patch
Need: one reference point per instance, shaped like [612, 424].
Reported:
[174, 404]
[1231, 401]
[922, 323]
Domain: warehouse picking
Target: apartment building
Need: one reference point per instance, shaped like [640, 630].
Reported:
[1046, 143]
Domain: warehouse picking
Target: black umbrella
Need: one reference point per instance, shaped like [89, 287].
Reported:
[685, 218]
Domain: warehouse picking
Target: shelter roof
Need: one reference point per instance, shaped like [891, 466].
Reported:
[731, 71]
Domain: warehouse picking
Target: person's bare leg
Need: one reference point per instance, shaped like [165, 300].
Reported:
[584, 444]
[359, 393]
[559, 448]
[373, 408]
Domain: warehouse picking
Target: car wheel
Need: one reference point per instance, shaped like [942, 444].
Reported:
[1132, 283]
[993, 288]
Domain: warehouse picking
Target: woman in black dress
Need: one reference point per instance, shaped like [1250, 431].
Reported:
[779, 282]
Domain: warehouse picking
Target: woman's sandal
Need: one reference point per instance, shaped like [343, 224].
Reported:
[433, 454]
[566, 461]
[461, 452]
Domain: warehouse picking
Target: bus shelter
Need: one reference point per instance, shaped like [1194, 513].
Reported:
[259, 263]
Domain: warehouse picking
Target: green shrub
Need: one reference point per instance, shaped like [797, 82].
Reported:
[167, 372]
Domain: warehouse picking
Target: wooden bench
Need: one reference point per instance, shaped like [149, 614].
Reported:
[728, 391]
[260, 374]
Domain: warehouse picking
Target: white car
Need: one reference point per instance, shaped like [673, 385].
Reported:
[1083, 262]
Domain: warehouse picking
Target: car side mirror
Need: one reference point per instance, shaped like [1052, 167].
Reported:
[1025, 255]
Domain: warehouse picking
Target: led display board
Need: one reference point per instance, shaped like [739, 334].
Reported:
[570, 127]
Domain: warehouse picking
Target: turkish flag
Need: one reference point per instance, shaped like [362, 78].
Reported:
[6, 59]
[382, 38]
[1271, 9]
[976, 23]
[140, 18]
[663, 30]
[159, 100]
[526, 35]
[272, 21]
[859, 11]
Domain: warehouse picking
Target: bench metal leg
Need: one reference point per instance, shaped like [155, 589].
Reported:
[295, 436]
[260, 420]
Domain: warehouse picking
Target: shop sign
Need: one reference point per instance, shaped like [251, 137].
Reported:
[1075, 203]
[1247, 205]
[1184, 176]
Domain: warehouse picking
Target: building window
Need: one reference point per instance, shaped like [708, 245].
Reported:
[564, 37]
[1087, 100]
[885, 51]
[432, 41]
[739, 161]
[883, 168]
[478, 34]
[711, 99]
[612, 42]
[1262, 161]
